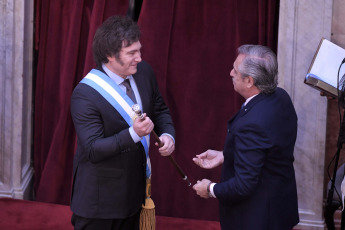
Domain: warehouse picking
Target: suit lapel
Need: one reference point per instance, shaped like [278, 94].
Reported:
[140, 85]
[254, 101]
[245, 110]
[138, 78]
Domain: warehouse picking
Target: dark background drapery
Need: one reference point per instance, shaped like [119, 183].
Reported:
[191, 45]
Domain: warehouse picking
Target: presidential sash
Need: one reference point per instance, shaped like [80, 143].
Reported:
[119, 100]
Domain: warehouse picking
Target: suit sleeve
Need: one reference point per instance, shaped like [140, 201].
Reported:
[161, 113]
[250, 148]
[89, 124]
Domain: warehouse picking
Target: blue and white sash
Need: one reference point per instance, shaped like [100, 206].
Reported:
[119, 100]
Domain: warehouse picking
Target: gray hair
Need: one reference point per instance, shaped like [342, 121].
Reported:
[261, 64]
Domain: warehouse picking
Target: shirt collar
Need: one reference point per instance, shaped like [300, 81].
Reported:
[113, 76]
[249, 98]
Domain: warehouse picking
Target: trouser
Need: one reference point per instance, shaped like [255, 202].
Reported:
[82, 223]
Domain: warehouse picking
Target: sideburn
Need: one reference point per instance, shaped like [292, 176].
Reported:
[118, 60]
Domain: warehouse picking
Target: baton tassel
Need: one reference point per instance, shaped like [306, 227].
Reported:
[147, 214]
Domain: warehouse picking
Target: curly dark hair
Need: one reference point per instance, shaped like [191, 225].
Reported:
[112, 35]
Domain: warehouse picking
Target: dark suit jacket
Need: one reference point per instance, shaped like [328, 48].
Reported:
[258, 186]
[109, 168]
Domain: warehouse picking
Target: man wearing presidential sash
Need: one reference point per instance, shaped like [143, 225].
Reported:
[112, 162]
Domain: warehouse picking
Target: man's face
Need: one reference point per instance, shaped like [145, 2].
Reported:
[126, 64]
[240, 83]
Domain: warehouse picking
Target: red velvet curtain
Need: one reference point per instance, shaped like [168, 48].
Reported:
[190, 44]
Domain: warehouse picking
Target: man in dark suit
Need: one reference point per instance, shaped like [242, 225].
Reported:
[111, 163]
[257, 190]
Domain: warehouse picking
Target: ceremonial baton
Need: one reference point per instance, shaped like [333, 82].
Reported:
[137, 110]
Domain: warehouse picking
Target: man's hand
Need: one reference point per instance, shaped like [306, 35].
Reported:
[168, 145]
[209, 159]
[143, 126]
[201, 188]
[328, 96]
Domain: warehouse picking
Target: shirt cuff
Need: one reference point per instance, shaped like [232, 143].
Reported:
[134, 135]
[167, 134]
[211, 190]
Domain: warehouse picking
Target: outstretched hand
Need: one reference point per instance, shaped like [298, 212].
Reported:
[209, 159]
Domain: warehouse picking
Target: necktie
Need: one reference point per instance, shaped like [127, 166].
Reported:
[129, 90]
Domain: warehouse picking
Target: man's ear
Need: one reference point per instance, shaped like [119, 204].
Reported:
[111, 58]
[250, 81]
